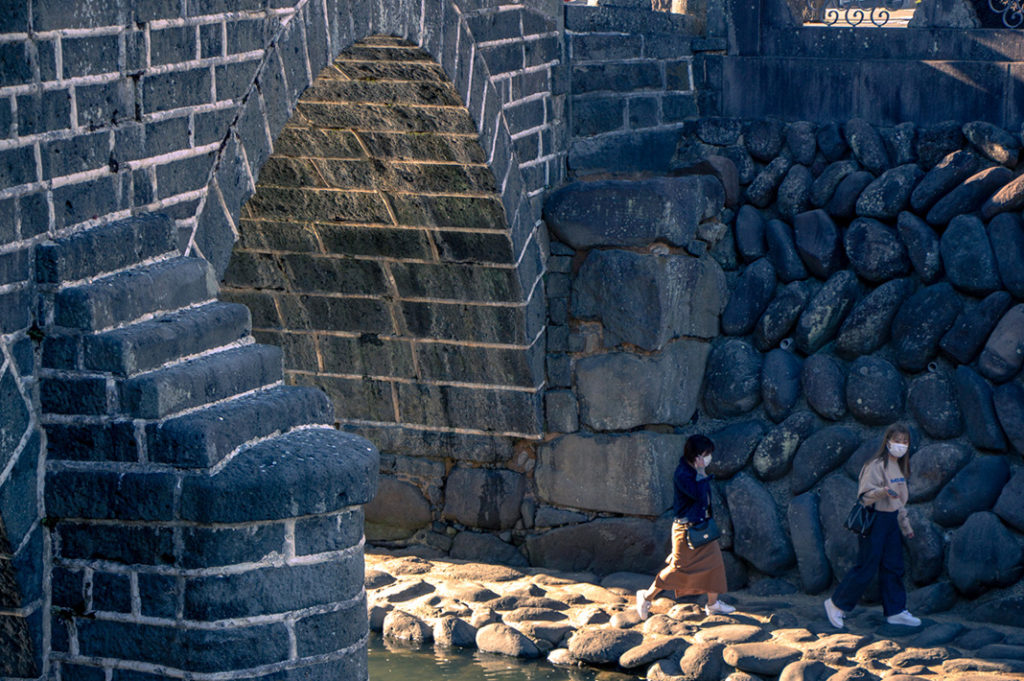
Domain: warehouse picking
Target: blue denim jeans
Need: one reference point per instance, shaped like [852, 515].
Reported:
[880, 551]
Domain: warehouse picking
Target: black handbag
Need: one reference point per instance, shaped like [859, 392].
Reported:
[860, 518]
[702, 533]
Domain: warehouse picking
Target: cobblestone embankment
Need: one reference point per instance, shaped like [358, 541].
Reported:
[582, 619]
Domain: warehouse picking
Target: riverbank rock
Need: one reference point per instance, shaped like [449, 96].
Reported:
[502, 639]
[602, 646]
[765, 659]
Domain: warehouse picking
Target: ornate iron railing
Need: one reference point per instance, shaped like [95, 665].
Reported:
[1011, 11]
[860, 12]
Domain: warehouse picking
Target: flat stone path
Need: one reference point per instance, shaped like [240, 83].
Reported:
[582, 619]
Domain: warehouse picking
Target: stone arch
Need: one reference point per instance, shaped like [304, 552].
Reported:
[375, 251]
[502, 63]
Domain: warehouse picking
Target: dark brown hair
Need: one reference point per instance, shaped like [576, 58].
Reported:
[695, 446]
[883, 449]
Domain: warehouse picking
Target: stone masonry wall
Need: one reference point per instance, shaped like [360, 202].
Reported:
[872, 277]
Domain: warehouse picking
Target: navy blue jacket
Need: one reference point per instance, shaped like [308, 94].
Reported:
[692, 496]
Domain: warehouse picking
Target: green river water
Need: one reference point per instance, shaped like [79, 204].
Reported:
[393, 662]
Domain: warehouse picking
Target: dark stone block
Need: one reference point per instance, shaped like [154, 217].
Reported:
[950, 172]
[866, 329]
[780, 383]
[125, 544]
[972, 327]
[750, 227]
[932, 401]
[993, 142]
[968, 258]
[782, 252]
[800, 138]
[817, 241]
[794, 191]
[35, 214]
[775, 452]
[195, 650]
[819, 454]
[824, 384]
[321, 534]
[758, 534]
[76, 203]
[44, 112]
[103, 249]
[899, 143]
[828, 181]
[158, 595]
[781, 315]
[239, 492]
[75, 155]
[718, 131]
[273, 590]
[831, 142]
[874, 251]
[762, 191]
[1010, 505]
[89, 55]
[617, 77]
[73, 395]
[68, 589]
[978, 411]
[19, 507]
[867, 145]
[17, 165]
[920, 324]
[1008, 400]
[983, 554]
[1001, 358]
[889, 194]
[175, 44]
[1009, 198]
[176, 89]
[1006, 237]
[329, 632]
[936, 142]
[874, 391]
[110, 495]
[764, 139]
[15, 310]
[969, 195]
[200, 381]
[206, 547]
[811, 561]
[595, 116]
[750, 296]
[733, 379]
[734, 445]
[826, 311]
[844, 200]
[114, 441]
[111, 593]
[922, 246]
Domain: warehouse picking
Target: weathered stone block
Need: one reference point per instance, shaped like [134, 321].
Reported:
[826, 311]
[749, 297]
[1001, 358]
[932, 401]
[665, 297]
[206, 547]
[819, 454]
[802, 519]
[487, 499]
[975, 488]
[934, 466]
[889, 194]
[976, 406]
[561, 411]
[733, 379]
[983, 554]
[640, 546]
[758, 534]
[874, 391]
[615, 473]
[920, 324]
[329, 632]
[623, 213]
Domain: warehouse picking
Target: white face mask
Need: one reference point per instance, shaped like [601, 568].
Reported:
[898, 449]
[707, 460]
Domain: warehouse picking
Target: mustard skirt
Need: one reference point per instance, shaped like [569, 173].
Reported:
[692, 571]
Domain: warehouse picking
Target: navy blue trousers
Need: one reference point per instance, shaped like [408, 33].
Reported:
[880, 551]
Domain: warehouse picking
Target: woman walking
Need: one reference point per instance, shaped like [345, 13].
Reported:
[691, 571]
[883, 486]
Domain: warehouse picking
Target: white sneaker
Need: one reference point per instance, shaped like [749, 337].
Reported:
[718, 608]
[643, 606]
[904, 618]
[835, 615]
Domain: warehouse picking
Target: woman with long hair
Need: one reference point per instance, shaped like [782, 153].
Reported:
[691, 571]
[883, 487]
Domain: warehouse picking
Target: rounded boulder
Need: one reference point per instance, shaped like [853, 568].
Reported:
[932, 401]
[824, 383]
[975, 488]
[874, 391]
[733, 379]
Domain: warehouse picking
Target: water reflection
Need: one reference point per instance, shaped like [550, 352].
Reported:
[390, 660]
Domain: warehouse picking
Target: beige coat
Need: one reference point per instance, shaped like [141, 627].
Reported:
[875, 476]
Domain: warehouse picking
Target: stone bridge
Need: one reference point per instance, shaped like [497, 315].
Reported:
[485, 264]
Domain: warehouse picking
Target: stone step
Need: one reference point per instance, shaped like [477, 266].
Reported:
[201, 381]
[109, 248]
[148, 345]
[204, 437]
[124, 297]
